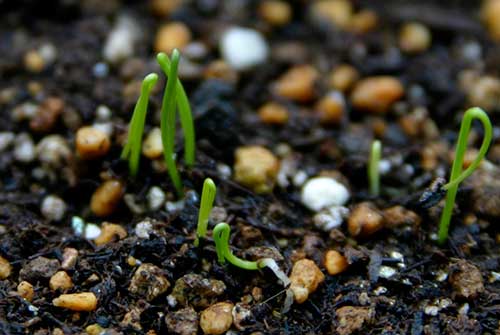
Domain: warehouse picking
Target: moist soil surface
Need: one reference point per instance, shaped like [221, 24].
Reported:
[398, 279]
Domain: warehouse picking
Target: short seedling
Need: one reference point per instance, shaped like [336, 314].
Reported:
[373, 168]
[207, 202]
[457, 175]
[184, 111]
[132, 149]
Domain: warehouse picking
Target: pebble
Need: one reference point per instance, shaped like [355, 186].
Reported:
[336, 12]
[5, 268]
[323, 192]
[39, 268]
[195, 51]
[164, 8]
[242, 316]
[363, 21]
[297, 83]
[6, 139]
[120, 42]
[34, 62]
[182, 322]
[466, 279]
[386, 271]
[104, 127]
[53, 150]
[53, 208]
[331, 108]
[170, 36]
[156, 198]
[24, 148]
[351, 319]
[243, 48]
[100, 70]
[485, 93]
[364, 220]
[398, 216]
[273, 113]
[221, 70]
[330, 218]
[334, 262]
[305, 279]
[91, 231]
[256, 167]
[46, 115]
[26, 290]
[91, 143]
[69, 258]
[414, 37]
[343, 77]
[78, 302]
[110, 232]
[217, 319]
[152, 147]
[106, 197]
[275, 12]
[376, 94]
[197, 291]
[143, 229]
[25, 111]
[60, 281]
[490, 12]
[148, 282]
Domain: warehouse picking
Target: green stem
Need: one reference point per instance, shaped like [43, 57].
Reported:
[457, 175]
[206, 204]
[221, 237]
[167, 124]
[132, 148]
[373, 168]
[186, 116]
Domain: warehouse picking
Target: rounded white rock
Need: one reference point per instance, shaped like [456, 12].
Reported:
[322, 192]
[243, 48]
[53, 208]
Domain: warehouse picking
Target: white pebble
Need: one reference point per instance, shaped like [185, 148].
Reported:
[78, 225]
[100, 70]
[243, 48]
[431, 310]
[6, 139]
[384, 166]
[120, 41]
[174, 206]
[323, 192]
[105, 127]
[441, 276]
[380, 290]
[103, 113]
[24, 150]
[494, 276]
[48, 52]
[53, 150]
[143, 229]
[386, 271]
[224, 171]
[53, 208]
[156, 198]
[300, 178]
[26, 111]
[331, 218]
[464, 310]
[92, 231]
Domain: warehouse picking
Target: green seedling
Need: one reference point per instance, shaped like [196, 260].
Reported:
[184, 112]
[132, 149]
[207, 202]
[373, 168]
[167, 124]
[457, 175]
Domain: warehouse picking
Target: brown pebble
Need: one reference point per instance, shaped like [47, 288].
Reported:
[106, 197]
[273, 113]
[351, 319]
[70, 256]
[39, 268]
[305, 279]
[182, 322]
[95, 329]
[376, 94]
[92, 143]
[60, 281]
[110, 232]
[132, 319]
[164, 8]
[398, 215]
[217, 319]
[414, 38]
[490, 12]
[171, 36]
[26, 290]
[33, 62]
[79, 302]
[336, 12]
[466, 279]
[148, 281]
[152, 146]
[197, 291]
[343, 77]
[256, 167]
[330, 108]
[297, 83]
[275, 12]
[485, 93]
[363, 22]
[364, 220]
[46, 115]
[334, 262]
[219, 69]
[5, 268]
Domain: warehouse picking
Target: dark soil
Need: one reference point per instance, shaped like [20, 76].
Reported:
[226, 118]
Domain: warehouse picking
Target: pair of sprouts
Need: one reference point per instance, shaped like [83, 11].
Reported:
[457, 173]
[174, 97]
